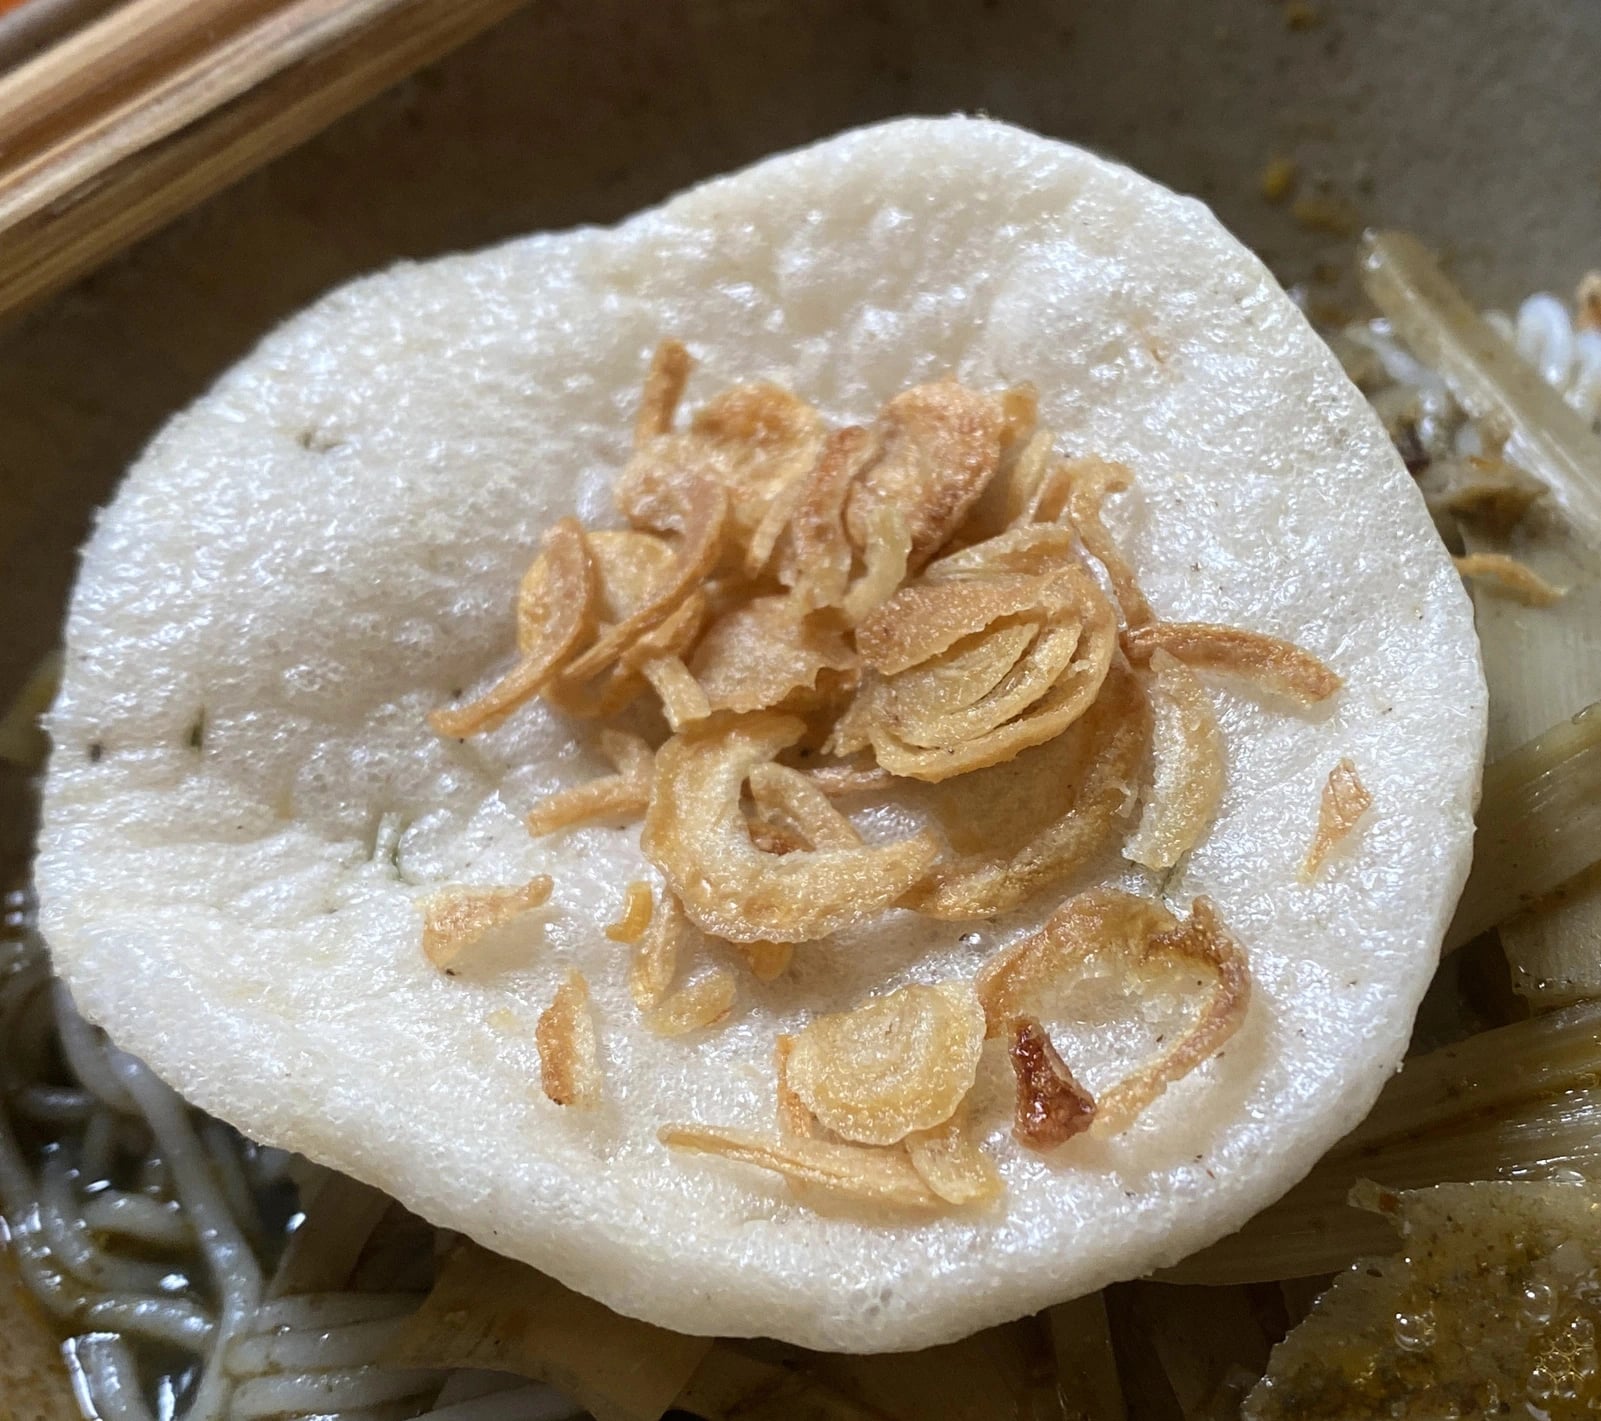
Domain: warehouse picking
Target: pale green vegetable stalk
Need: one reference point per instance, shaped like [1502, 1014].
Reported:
[340, 1216]
[1086, 1366]
[1541, 663]
[1522, 1101]
[999, 1374]
[490, 1312]
[1490, 380]
[1539, 825]
[1211, 1347]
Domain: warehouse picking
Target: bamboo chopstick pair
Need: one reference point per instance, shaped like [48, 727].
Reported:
[151, 108]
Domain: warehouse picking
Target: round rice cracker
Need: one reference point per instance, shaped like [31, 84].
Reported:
[245, 804]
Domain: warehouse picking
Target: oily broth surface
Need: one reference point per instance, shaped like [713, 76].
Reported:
[326, 546]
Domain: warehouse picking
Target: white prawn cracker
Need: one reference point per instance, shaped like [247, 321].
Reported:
[246, 806]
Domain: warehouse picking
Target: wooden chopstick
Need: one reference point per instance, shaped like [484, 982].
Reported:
[34, 24]
[116, 130]
[114, 60]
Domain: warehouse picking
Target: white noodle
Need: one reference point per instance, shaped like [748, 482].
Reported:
[469, 1383]
[152, 1222]
[1399, 363]
[222, 1147]
[178, 1322]
[19, 1203]
[66, 1235]
[405, 1410]
[321, 1349]
[234, 1269]
[261, 1398]
[112, 1378]
[50, 1284]
[154, 1177]
[89, 1056]
[314, 1310]
[54, 1104]
[1543, 332]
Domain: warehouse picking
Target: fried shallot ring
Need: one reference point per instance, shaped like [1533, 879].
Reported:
[1034, 491]
[682, 699]
[791, 797]
[635, 916]
[952, 1165]
[1201, 939]
[794, 1119]
[694, 1006]
[901, 1062]
[1090, 480]
[1052, 1106]
[843, 779]
[1344, 801]
[1279, 667]
[763, 441]
[623, 795]
[925, 618]
[631, 568]
[457, 917]
[1104, 920]
[768, 961]
[1096, 767]
[1045, 658]
[773, 834]
[1187, 772]
[555, 613]
[669, 372]
[699, 511]
[757, 440]
[1052, 685]
[653, 964]
[1143, 936]
[674, 637]
[815, 554]
[919, 702]
[1510, 578]
[1031, 548]
[656, 659]
[884, 561]
[942, 446]
[569, 1064]
[857, 1173]
[696, 834]
[758, 655]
